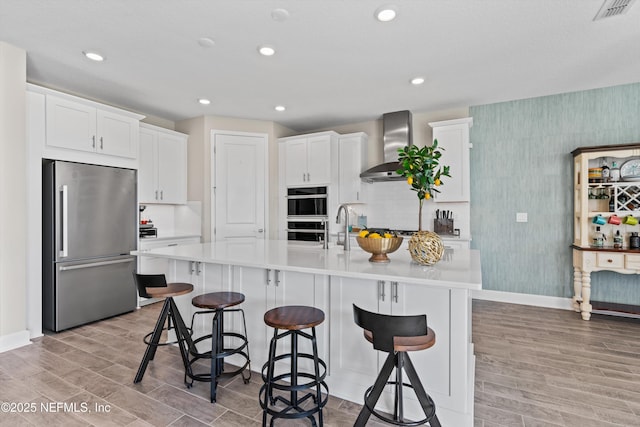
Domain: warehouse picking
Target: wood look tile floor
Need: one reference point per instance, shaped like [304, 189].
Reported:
[535, 367]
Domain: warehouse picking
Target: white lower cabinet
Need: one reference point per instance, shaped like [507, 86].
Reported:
[151, 265]
[351, 376]
[265, 289]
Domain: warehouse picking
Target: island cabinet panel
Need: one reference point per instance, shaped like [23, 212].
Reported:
[205, 278]
[350, 376]
[272, 273]
[265, 289]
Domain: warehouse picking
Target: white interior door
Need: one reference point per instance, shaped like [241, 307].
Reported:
[239, 183]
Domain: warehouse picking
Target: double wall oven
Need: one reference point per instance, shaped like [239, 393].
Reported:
[307, 214]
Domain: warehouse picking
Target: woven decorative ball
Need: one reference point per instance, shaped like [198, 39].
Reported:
[426, 247]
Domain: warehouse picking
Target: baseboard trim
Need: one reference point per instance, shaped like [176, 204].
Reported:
[14, 340]
[524, 299]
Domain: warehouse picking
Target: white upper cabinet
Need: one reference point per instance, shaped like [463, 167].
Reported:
[83, 126]
[308, 159]
[352, 155]
[162, 170]
[453, 137]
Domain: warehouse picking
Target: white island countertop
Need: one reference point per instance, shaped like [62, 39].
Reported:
[459, 268]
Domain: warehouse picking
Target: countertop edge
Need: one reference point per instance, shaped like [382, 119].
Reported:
[474, 281]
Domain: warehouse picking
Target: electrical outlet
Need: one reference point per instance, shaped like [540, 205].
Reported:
[521, 217]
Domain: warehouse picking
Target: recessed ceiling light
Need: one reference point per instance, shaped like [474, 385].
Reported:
[266, 50]
[93, 56]
[417, 81]
[206, 42]
[386, 13]
[280, 108]
[204, 101]
[279, 15]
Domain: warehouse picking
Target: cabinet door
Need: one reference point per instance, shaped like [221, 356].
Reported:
[351, 160]
[294, 288]
[295, 161]
[70, 124]
[319, 160]
[454, 139]
[255, 284]
[412, 299]
[147, 167]
[172, 169]
[353, 359]
[117, 134]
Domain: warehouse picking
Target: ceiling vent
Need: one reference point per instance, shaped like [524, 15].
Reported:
[613, 8]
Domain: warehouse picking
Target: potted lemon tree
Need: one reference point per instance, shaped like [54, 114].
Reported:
[421, 167]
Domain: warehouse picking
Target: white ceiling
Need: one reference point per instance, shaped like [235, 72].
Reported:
[334, 64]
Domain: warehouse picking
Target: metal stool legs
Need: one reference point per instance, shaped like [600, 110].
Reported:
[219, 352]
[399, 360]
[169, 312]
[293, 404]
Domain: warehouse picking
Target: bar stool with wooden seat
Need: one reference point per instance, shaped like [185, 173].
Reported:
[218, 304]
[156, 286]
[396, 335]
[293, 319]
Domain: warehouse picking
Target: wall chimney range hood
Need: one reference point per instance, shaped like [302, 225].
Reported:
[397, 133]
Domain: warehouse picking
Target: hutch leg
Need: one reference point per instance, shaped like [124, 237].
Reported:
[577, 288]
[585, 307]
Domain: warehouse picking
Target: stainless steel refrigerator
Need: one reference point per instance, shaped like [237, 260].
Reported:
[89, 229]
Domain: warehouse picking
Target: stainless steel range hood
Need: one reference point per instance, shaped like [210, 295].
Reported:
[396, 129]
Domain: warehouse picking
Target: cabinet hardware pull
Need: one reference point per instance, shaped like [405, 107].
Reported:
[308, 177]
[609, 260]
[381, 289]
[394, 290]
[191, 267]
[277, 273]
[101, 144]
[161, 194]
[268, 276]
[93, 143]
[197, 269]
[156, 194]
[95, 264]
[172, 244]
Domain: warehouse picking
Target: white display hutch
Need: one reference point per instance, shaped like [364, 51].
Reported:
[592, 198]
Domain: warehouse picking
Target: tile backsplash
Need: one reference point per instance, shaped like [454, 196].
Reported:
[394, 205]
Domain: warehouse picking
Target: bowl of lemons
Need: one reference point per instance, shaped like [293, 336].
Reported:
[379, 243]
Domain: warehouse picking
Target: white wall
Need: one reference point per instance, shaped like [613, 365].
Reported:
[13, 198]
[199, 161]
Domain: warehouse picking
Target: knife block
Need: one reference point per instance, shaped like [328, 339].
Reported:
[443, 226]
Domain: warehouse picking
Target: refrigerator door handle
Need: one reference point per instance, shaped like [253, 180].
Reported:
[64, 251]
[95, 264]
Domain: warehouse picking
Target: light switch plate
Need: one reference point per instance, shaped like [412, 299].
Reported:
[521, 217]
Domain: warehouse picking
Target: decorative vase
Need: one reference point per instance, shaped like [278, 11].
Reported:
[426, 247]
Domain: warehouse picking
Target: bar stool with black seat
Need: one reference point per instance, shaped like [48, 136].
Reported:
[156, 286]
[284, 387]
[396, 335]
[218, 303]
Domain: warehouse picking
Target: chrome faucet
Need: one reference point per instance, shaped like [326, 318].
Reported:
[346, 244]
[325, 240]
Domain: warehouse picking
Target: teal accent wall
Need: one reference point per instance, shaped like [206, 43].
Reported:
[521, 162]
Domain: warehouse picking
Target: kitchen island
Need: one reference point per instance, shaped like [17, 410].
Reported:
[275, 272]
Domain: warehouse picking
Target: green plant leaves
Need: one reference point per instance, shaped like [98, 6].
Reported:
[422, 165]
